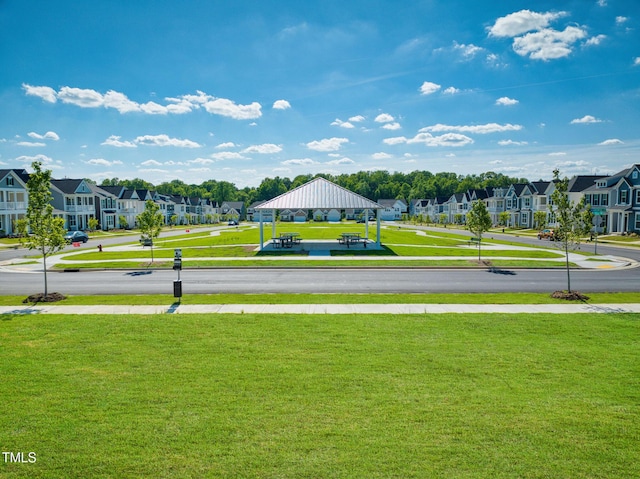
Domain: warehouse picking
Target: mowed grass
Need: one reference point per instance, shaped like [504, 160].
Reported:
[322, 396]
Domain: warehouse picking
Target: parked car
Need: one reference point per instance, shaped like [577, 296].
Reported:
[146, 242]
[547, 234]
[76, 237]
[232, 223]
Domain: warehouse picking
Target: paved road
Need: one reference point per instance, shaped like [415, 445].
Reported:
[272, 280]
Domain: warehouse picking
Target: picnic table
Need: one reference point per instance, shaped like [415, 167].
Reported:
[351, 238]
[286, 240]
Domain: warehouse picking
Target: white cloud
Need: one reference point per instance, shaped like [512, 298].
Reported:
[46, 93]
[114, 140]
[612, 141]
[228, 144]
[428, 88]
[468, 51]
[103, 162]
[31, 143]
[281, 105]
[391, 126]
[227, 155]
[451, 90]
[357, 119]
[636, 61]
[384, 118]
[88, 98]
[511, 142]
[558, 153]
[164, 140]
[395, 140]
[228, 108]
[620, 20]
[151, 163]
[597, 40]
[327, 144]
[266, 148]
[381, 156]
[506, 101]
[586, 119]
[448, 139]
[342, 124]
[477, 129]
[299, 162]
[341, 161]
[50, 135]
[45, 160]
[201, 161]
[548, 44]
[521, 22]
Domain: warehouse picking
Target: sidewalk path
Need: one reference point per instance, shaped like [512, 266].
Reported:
[368, 309]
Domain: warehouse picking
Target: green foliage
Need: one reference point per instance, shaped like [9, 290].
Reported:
[122, 220]
[150, 222]
[540, 220]
[47, 231]
[504, 218]
[478, 221]
[93, 224]
[573, 221]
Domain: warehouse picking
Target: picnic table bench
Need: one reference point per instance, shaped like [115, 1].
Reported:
[351, 238]
[286, 240]
[474, 241]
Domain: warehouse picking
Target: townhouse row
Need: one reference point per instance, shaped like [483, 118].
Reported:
[614, 200]
[78, 201]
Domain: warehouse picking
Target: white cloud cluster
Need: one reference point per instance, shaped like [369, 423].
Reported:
[87, 98]
[103, 162]
[281, 105]
[150, 140]
[327, 144]
[612, 141]
[474, 129]
[264, 149]
[533, 37]
[448, 139]
[50, 135]
[586, 119]
[428, 88]
[342, 124]
[506, 101]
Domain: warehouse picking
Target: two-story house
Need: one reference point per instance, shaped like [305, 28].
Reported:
[393, 209]
[14, 199]
[74, 200]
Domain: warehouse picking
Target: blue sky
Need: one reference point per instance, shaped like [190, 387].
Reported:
[243, 90]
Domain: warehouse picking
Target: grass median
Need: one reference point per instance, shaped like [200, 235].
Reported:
[322, 396]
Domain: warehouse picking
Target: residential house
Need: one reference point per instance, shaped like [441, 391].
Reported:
[233, 210]
[106, 203]
[14, 198]
[617, 200]
[393, 209]
[73, 200]
[332, 215]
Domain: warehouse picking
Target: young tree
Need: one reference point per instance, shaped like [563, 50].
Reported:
[503, 218]
[573, 221]
[93, 224]
[122, 220]
[47, 231]
[478, 221]
[540, 220]
[150, 222]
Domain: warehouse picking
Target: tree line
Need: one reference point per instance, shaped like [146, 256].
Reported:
[374, 185]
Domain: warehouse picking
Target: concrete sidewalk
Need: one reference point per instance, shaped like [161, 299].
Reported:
[367, 309]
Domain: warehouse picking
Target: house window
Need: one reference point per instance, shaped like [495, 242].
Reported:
[637, 222]
[635, 175]
[10, 181]
[587, 199]
[527, 202]
[604, 200]
[638, 197]
[596, 200]
[623, 197]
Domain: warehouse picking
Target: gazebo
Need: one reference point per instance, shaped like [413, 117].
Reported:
[317, 194]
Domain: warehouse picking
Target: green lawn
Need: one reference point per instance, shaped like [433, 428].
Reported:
[449, 396]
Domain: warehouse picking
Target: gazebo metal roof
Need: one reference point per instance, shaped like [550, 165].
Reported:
[319, 193]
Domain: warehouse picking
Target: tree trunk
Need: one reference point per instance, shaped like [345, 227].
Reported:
[44, 266]
[566, 254]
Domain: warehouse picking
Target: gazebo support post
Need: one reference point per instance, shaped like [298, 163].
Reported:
[378, 228]
[261, 233]
[273, 224]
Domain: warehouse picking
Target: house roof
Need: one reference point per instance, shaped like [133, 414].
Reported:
[21, 174]
[582, 182]
[67, 186]
[319, 193]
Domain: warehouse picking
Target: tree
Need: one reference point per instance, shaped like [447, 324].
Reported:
[122, 220]
[47, 231]
[150, 222]
[573, 221]
[93, 224]
[540, 220]
[504, 217]
[478, 221]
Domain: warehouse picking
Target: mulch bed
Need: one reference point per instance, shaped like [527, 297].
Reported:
[569, 295]
[41, 298]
